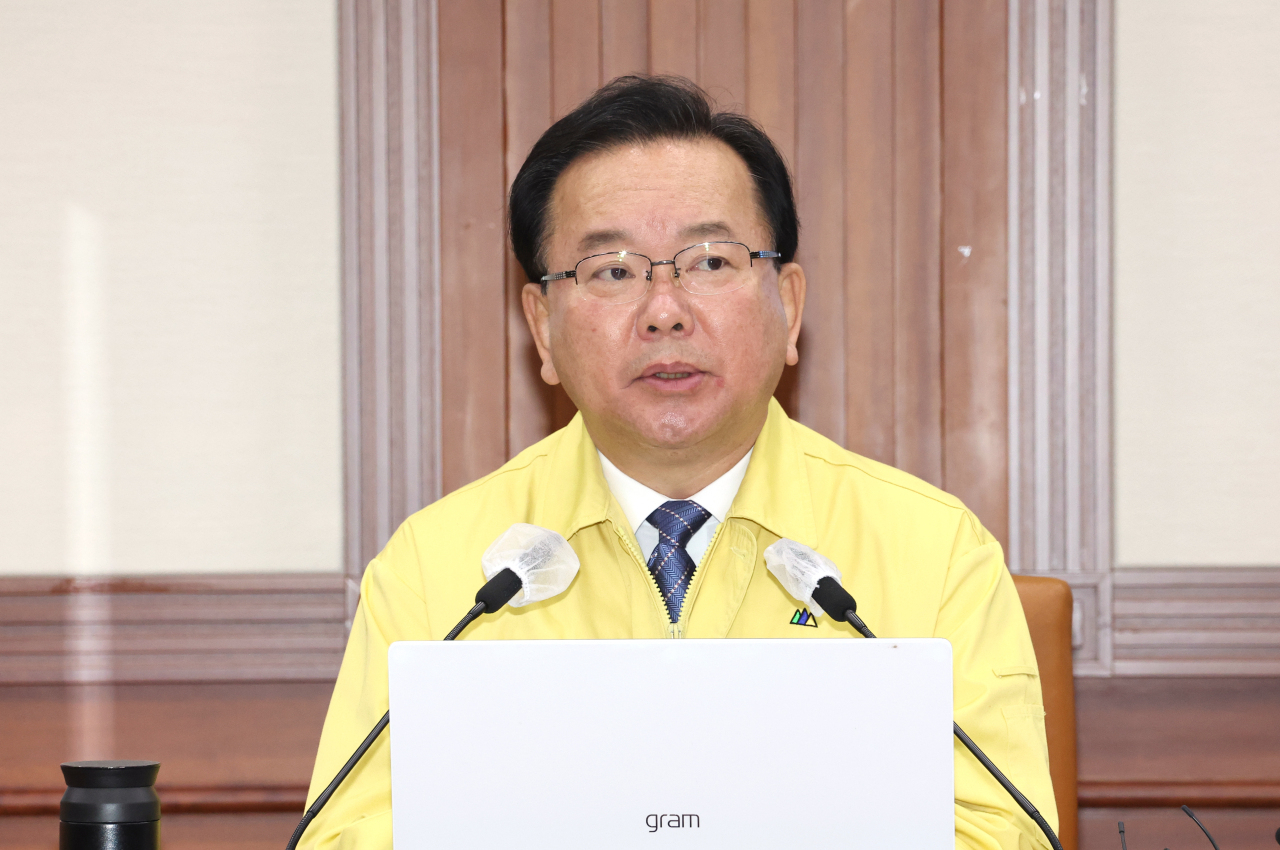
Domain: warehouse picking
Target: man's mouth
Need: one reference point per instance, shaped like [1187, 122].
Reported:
[673, 377]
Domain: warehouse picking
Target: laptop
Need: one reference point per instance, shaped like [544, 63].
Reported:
[581, 744]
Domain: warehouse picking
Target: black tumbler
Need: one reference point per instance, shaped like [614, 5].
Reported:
[110, 805]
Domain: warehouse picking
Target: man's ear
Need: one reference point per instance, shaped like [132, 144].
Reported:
[791, 287]
[537, 312]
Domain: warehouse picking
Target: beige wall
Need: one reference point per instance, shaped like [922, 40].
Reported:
[1197, 282]
[169, 296]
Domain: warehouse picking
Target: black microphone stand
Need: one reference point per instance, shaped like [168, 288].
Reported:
[497, 592]
[832, 597]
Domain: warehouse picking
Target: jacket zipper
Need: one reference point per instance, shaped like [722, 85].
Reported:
[674, 630]
[677, 629]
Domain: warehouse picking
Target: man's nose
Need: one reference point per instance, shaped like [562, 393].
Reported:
[666, 305]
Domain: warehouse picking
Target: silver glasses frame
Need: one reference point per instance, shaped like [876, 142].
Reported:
[573, 273]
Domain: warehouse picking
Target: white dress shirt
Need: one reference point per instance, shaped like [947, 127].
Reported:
[638, 501]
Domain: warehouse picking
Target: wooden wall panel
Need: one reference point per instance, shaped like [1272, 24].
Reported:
[917, 211]
[1148, 746]
[624, 38]
[227, 736]
[531, 404]
[575, 53]
[673, 37]
[870, 386]
[1170, 731]
[974, 251]
[852, 93]
[473, 302]
[722, 59]
[820, 199]
[235, 758]
[771, 71]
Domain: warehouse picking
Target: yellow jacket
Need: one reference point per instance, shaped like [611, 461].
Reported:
[916, 560]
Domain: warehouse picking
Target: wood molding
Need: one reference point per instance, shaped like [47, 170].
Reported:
[189, 628]
[1219, 795]
[389, 93]
[1202, 621]
[292, 798]
[1059, 305]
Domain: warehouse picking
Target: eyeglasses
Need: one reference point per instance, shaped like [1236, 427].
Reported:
[708, 268]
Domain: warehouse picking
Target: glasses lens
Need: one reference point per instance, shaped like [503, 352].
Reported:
[711, 267]
[614, 277]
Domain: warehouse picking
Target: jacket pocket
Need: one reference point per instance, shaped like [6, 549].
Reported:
[1028, 751]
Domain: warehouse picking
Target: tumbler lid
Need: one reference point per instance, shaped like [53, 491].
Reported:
[125, 773]
[110, 792]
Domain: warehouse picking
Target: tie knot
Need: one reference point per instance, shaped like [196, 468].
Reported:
[678, 520]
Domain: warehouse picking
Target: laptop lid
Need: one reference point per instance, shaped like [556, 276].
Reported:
[700, 743]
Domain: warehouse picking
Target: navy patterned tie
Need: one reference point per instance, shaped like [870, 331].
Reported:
[670, 564]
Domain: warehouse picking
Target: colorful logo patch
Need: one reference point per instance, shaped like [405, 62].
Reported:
[802, 617]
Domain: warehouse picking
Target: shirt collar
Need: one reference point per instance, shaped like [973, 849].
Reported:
[638, 501]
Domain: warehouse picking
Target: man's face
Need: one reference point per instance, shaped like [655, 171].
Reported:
[673, 369]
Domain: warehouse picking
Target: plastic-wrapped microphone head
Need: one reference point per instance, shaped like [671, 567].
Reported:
[543, 559]
[800, 568]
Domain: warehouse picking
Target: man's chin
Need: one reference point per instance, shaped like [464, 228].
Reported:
[677, 429]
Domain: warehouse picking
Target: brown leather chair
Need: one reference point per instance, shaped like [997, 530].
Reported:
[1047, 604]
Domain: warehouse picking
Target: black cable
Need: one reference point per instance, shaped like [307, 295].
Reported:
[466, 621]
[337, 780]
[1192, 815]
[1120, 824]
[857, 623]
[315, 807]
[1017, 795]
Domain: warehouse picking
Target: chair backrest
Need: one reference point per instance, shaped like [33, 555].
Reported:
[1047, 604]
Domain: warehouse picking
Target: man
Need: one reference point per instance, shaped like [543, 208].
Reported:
[661, 237]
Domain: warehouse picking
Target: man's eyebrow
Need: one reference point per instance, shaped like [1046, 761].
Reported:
[597, 239]
[706, 230]
[600, 238]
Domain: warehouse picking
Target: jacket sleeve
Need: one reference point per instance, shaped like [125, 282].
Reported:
[391, 608]
[997, 697]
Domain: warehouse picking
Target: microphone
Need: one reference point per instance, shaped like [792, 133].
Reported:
[815, 581]
[1192, 815]
[526, 564]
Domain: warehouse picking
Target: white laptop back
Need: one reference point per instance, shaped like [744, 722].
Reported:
[695, 743]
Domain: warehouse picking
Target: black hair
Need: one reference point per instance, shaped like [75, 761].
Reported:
[644, 109]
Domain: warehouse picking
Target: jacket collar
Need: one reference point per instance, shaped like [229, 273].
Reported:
[774, 494]
[575, 495]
